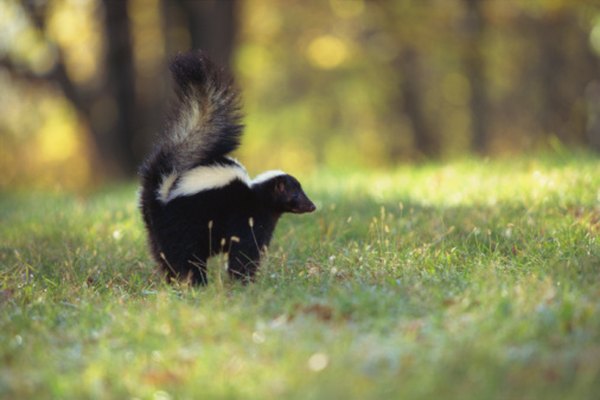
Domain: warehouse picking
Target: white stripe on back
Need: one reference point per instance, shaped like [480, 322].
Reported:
[200, 179]
[208, 177]
[267, 175]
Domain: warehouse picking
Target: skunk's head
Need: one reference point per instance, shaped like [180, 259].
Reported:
[283, 193]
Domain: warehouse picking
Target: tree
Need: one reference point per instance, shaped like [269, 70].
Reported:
[475, 70]
[115, 141]
[211, 24]
[425, 138]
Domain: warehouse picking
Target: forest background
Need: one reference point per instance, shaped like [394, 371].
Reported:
[344, 83]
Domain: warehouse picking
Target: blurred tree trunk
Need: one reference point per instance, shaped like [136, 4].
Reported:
[592, 94]
[115, 124]
[566, 67]
[210, 25]
[475, 70]
[552, 64]
[426, 141]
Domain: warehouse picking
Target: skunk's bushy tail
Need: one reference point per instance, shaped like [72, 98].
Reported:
[207, 122]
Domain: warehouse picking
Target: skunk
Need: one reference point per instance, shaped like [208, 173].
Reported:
[196, 201]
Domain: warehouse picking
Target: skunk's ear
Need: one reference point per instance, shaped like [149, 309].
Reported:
[280, 186]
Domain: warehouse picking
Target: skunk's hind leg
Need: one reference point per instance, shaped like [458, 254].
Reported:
[184, 270]
[197, 272]
[244, 261]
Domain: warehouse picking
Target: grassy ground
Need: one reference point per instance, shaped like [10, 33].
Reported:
[474, 280]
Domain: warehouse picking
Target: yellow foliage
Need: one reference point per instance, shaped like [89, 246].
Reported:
[595, 37]
[148, 36]
[327, 52]
[76, 27]
[57, 138]
[58, 154]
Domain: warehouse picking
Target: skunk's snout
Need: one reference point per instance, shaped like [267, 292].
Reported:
[303, 205]
[310, 207]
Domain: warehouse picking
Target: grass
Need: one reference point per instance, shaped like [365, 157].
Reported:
[471, 280]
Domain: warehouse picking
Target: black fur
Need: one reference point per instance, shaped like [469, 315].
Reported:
[238, 218]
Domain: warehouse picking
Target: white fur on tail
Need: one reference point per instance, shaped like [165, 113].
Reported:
[165, 187]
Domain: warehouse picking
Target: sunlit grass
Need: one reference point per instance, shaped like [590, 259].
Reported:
[475, 279]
